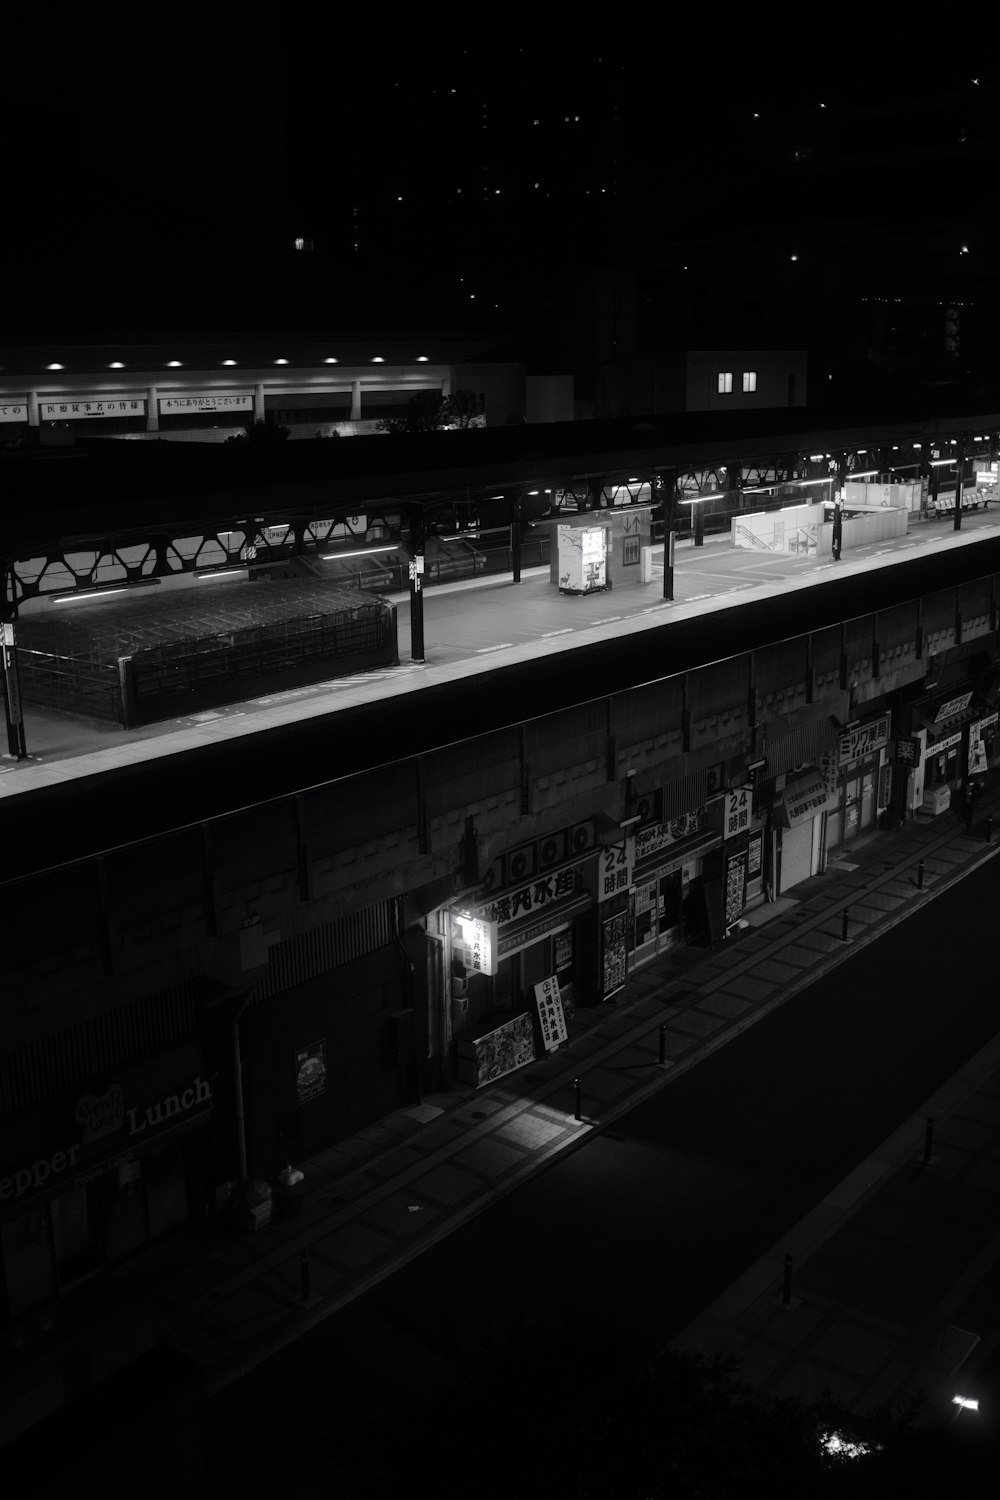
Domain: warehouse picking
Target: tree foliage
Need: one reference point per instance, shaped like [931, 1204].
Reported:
[430, 411]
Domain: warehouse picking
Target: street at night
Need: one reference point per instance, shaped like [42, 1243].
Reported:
[624, 1240]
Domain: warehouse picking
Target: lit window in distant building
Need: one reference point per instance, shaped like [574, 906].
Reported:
[725, 382]
[749, 380]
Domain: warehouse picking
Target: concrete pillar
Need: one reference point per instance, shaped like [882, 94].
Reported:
[258, 401]
[355, 400]
[152, 410]
[32, 408]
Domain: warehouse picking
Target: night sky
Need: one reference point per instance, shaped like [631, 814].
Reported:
[460, 171]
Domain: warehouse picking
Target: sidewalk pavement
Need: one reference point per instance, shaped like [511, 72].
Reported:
[890, 1269]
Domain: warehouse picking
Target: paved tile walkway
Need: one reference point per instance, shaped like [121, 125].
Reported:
[892, 1289]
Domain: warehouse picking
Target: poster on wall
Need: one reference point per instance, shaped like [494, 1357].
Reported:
[614, 930]
[550, 1013]
[736, 883]
[310, 1071]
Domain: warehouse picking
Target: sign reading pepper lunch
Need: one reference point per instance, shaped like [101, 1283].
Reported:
[105, 1116]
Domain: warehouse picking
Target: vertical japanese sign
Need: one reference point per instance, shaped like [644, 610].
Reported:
[738, 808]
[474, 941]
[550, 1013]
[616, 868]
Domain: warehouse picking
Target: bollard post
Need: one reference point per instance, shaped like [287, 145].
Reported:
[920, 876]
[928, 1139]
[786, 1285]
[577, 1089]
[843, 932]
[663, 1044]
[304, 1271]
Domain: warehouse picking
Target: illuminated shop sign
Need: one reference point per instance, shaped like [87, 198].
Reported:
[109, 406]
[474, 943]
[863, 740]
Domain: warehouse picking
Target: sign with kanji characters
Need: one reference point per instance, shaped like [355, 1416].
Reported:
[907, 751]
[863, 740]
[550, 1013]
[755, 851]
[952, 707]
[537, 893]
[739, 806]
[110, 406]
[15, 411]
[616, 867]
[659, 835]
[474, 941]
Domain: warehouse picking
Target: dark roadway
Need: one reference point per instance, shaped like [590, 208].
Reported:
[632, 1235]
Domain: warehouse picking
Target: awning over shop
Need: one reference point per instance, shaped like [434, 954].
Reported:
[801, 800]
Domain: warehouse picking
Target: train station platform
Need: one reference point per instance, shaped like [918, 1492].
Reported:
[221, 1305]
[473, 628]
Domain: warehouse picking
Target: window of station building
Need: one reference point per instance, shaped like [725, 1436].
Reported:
[725, 382]
[630, 550]
[749, 380]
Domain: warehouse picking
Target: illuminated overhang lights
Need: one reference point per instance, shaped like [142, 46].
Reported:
[965, 1403]
[173, 364]
[116, 364]
[937, 463]
[55, 366]
[281, 361]
[422, 359]
[222, 573]
[362, 552]
[81, 597]
[331, 361]
[865, 474]
[377, 359]
[229, 361]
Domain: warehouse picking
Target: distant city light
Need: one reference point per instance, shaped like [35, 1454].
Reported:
[377, 359]
[966, 1402]
[421, 359]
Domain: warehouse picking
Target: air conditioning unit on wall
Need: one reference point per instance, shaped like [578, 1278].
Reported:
[521, 864]
[582, 836]
[551, 850]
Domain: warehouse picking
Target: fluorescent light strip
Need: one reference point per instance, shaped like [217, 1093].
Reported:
[364, 552]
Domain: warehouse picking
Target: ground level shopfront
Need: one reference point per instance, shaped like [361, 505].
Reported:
[101, 1172]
